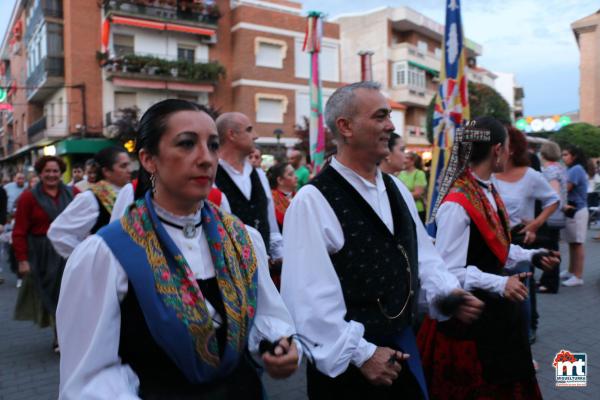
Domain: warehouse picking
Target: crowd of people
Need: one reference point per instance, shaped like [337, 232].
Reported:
[205, 270]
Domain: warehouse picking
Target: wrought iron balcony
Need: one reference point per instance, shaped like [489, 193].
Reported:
[206, 13]
[37, 127]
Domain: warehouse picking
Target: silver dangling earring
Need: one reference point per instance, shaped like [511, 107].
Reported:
[153, 183]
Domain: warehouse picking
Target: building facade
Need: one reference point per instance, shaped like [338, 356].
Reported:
[49, 63]
[587, 34]
[406, 60]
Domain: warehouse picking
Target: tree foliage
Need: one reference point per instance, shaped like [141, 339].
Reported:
[581, 134]
[483, 100]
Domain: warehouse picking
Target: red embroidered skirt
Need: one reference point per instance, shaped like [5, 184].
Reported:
[453, 370]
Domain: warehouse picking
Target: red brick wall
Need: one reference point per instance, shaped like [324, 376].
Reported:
[281, 20]
[221, 52]
[82, 24]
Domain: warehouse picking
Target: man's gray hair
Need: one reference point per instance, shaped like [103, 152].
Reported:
[341, 103]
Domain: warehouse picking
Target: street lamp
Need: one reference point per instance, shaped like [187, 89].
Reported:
[278, 133]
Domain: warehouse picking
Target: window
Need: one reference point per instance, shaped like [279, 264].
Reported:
[186, 54]
[438, 53]
[59, 114]
[123, 44]
[328, 61]
[270, 53]
[406, 74]
[270, 108]
[125, 100]
[422, 46]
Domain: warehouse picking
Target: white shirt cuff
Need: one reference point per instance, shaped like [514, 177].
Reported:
[363, 352]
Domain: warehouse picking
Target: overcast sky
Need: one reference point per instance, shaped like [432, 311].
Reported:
[531, 38]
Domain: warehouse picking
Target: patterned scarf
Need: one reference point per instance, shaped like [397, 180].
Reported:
[174, 307]
[492, 225]
[105, 192]
[281, 202]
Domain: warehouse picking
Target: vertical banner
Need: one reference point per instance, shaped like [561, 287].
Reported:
[451, 105]
[312, 45]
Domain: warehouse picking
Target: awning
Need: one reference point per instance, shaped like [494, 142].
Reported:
[161, 26]
[424, 68]
[82, 146]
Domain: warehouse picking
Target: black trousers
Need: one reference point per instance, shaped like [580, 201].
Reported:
[550, 239]
[353, 385]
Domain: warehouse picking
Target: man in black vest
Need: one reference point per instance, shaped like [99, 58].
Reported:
[356, 257]
[246, 187]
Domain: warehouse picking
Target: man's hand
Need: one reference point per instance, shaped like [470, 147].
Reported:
[515, 290]
[547, 261]
[469, 309]
[285, 361]
[24, 267]
[384, 366]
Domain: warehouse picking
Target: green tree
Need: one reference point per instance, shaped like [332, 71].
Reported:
[483, 100]
[581, 134]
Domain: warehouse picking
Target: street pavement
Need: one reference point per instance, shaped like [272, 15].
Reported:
[569, 320]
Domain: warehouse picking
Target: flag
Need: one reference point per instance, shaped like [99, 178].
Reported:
[312, 45]
[452, 102]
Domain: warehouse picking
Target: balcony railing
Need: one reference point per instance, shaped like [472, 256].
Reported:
[37, 127]
[48, 67]
[159, 67]
[46, 8]
[168, 10]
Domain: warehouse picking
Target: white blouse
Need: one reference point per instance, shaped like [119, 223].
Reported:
[310, 286]
[519, 197]
[243, 182]
[74, 224]
[88, 316]
[452, 242]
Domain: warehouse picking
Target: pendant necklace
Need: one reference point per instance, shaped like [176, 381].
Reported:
[189, 229]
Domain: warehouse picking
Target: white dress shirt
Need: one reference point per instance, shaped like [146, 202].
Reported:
[76, 221]
[89, 317]
[452, 243]
[310, 286]
[126, 197]
[243, 182]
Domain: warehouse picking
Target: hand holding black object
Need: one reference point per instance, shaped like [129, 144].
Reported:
[460, 304]
[384, 366]
[546, 260]
[280, 358]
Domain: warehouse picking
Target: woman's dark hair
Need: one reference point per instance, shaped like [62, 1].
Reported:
[518, 148]
[394, 137]
[481, 150]
[151, 128]
[577, 154]
[40, 164]
[276, 171]
[591, 168]
[106, 158]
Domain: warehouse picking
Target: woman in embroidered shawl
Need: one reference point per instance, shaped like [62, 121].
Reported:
[167, 302]
[92, 209]
[39, 264]
[490, 359]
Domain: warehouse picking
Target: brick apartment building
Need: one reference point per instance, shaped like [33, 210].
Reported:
[258, 43]
[49, 65]
[75, 64]
[587, 34]
[406, 60]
